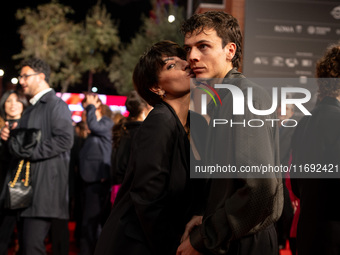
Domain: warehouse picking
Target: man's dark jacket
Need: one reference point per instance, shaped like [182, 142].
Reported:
[50, 157]
[239, 206]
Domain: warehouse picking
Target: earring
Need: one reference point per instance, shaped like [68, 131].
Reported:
[162, 94]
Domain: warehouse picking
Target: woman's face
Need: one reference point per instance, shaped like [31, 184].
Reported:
[174, 78]
[13, 107]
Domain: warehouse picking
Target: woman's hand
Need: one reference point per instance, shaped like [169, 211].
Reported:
[186, 249]
[5, 131]
[195, 221]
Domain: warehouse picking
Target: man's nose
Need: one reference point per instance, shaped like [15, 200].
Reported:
[193, 55]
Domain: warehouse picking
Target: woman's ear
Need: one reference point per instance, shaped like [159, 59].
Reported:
[157, 90]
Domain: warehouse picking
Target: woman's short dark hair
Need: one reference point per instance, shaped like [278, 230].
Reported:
[225, 25]
[146, 72]
[328, 72]
[21, 98]
[39, 66]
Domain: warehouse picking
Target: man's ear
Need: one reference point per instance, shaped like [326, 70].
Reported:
[230, 50]
[42, 76]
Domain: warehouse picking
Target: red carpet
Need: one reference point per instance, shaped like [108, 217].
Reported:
[74, 250]
[286, 251]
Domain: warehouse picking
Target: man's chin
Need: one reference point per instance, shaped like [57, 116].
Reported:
[201, 76]
[25, 91]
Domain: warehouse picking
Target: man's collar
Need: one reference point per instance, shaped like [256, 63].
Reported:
[36, 98]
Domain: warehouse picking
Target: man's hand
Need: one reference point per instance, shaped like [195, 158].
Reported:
[5, 131]
[195, 221]
[186, 249]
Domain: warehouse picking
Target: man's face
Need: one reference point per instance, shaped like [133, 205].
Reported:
[30, 80]
[206, 56]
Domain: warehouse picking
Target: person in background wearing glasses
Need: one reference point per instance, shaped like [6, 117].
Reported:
[49, 157]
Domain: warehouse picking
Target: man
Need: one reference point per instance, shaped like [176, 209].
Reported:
[49, 158]
[316, 141]
[240, 212]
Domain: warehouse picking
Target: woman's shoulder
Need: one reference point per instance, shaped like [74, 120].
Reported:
[161, 111]
[161, 118]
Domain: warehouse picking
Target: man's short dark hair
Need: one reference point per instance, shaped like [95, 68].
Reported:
[225, 25]
[39, 66]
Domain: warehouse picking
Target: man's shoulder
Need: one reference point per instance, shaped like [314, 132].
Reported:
[240, 80]
[258, 92]
[52, 98]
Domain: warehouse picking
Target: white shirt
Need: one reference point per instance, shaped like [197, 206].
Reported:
[36, 98]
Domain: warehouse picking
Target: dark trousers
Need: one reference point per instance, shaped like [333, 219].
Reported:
[94, 214]
[8, 219]
[60, 236]
[35, 231]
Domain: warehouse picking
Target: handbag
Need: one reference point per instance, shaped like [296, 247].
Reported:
[20, 192]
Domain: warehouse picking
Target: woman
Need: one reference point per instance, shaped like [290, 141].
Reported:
[123, 133]
[12, 105]
[155, 200]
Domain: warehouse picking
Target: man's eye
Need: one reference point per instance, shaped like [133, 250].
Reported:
[202, 46]
[187, 49]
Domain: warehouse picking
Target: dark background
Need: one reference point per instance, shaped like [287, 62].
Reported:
[286, 38]
[126, 12]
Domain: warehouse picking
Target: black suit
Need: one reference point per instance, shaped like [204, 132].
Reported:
[155, 200]
[317, 140]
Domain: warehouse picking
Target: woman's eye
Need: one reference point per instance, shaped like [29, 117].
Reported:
[171, 66]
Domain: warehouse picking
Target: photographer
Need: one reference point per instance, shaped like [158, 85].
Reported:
[94, 167]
